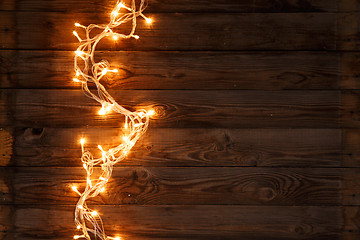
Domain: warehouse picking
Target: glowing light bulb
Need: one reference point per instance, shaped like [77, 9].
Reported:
[94, 213]
[81, 207]
[76, 35]
[136, 37]
[82, 141]
[78, 227]
[76, 80]
[117, 238]
[148, 20]
[102, 111]
[77, 236]
[151, 112]
[74, 188]
[115, 37]
[104, 71]
[79, 53]
[77, 25]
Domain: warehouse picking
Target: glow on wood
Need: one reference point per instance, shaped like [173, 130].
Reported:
[87, 70]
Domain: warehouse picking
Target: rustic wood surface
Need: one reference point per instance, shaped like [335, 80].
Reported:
[256, 133]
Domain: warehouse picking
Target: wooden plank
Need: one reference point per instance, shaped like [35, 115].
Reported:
[179, 6]
[180, 222]
[351, 230]
[172, 186]
[351, 151]
[185, 147]
[351, 187]
[177, 108]
[6, 147]
[349, 66]
[185, 70]
[185, 31]
[348, 25]
[350, 101]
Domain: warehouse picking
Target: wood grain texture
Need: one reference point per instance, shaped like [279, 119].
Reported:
[176, 108]
[6, 147]
[180, 222]
[185, 31]
[183, 5]
[351, 226]
[187, 70]
[186, 147]
[172, 186]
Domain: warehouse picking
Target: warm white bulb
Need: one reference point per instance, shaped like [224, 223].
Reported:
[77, 25]
[94, 213]
[74, 188]
[76, 80]
[102, 111]
[115, 37]
[136, 37]
[82, 141]
[78, 227]
[148, 20]
[151, 112]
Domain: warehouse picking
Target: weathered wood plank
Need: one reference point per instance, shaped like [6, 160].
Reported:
[351, 187]
[351, 229]
[205, 109]
[171, 186]
[185, 147]
[180, 222]
[351, 147]
[6, 146]
[187, 70]
[277, 31]
[349, 77]
[348, 31]
[181, 5]
[350, 101]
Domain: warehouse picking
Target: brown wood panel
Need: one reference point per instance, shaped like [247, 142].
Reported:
[351, 187]
[351, 151]
[205, 109]
[180, 222]
[183, 147]
[350, 102]
[187, 70]
[184, 31]
[172, 186]
[183, 5]
[351, 229]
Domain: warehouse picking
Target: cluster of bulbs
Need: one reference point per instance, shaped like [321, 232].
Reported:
[88, 71]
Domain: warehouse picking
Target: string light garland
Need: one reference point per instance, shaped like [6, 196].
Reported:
[87, 71]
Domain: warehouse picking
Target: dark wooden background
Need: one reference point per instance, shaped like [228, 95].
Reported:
[256, 136]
